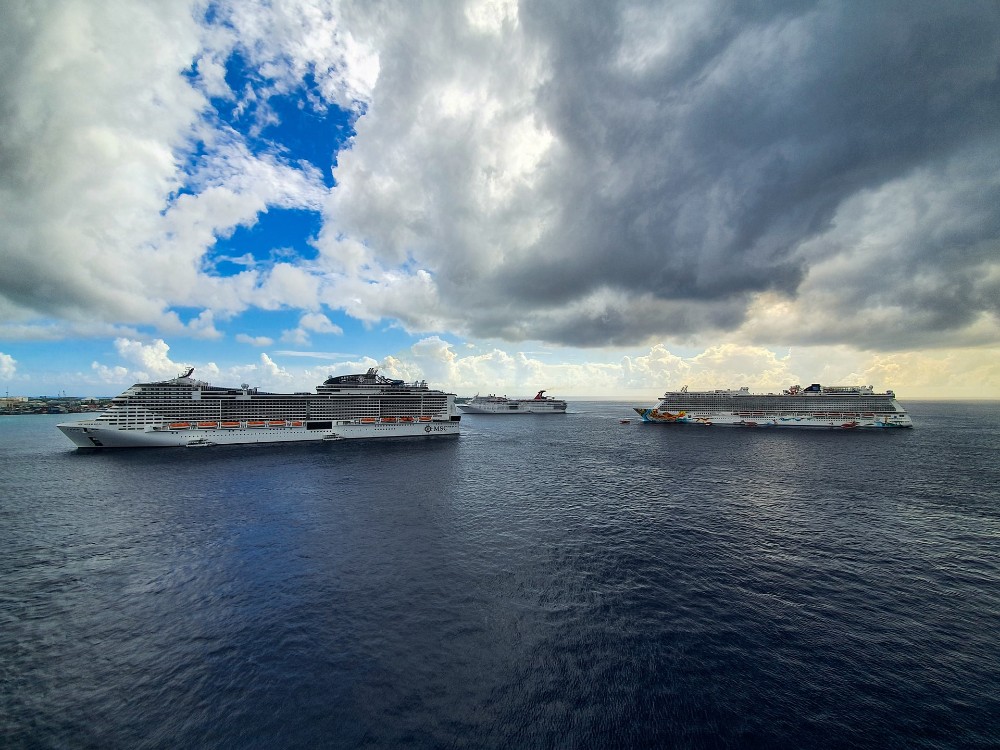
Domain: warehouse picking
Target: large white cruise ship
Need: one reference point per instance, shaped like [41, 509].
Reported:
[845, 407]
[540, 404]
[188, 412]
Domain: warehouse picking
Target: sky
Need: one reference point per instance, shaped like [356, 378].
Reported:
[604, 199]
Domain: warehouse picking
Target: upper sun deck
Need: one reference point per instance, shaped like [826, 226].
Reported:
[368, 381]
[186, 388]
[796, 390]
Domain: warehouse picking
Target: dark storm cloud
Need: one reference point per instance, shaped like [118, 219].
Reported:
[702, 173]
[918, 268]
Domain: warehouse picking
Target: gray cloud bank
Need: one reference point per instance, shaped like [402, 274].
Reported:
[698, 156]
[608, 173]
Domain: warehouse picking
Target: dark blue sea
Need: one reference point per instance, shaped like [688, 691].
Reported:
[538, 582]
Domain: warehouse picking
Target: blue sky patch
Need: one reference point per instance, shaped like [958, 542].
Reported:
[279, 234]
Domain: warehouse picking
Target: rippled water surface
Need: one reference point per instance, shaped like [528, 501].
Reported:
[551, 581]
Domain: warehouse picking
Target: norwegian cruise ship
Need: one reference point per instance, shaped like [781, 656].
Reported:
[188, 412]
[540, 404]
[844, 407]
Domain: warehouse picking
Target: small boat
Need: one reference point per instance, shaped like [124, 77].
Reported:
[388, 419]
[180, 425]
[296, 424]
[208, 425]
[199, 443]
[406, 419]
[624, 421]
[231, 425]
[368, 420]
[424, 418]
[277, 423]
[332, 437]
[256, 423]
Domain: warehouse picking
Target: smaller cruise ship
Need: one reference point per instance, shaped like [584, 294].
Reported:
[843, 407]
[492, 404]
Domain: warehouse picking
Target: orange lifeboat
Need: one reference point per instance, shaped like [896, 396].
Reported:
[425, 419]
[406, 419]
[277, 423]
[208, 425]
[367, 420]
[230, 425]
[256, 423]
[180, 425]
[296, 424]
[388, 419]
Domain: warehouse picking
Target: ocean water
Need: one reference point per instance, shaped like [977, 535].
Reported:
[539, 582]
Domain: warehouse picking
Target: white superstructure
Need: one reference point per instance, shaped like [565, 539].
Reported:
[540, 404]
[188, 412]
[816, 406]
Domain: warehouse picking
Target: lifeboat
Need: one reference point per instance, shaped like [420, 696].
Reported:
[230, 425]
[256, 423]
[406, 419]
[208, 425]
[277, 423]
[388, 419]
[180, 425]
[367, 420]
[296, 424]
[425, 419]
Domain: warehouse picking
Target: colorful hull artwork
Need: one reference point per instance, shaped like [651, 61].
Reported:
[655, 415]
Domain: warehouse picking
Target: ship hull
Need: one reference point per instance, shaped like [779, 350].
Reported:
[791, 421]
[90, 434]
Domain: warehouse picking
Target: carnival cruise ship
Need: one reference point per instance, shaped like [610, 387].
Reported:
[188, 412]
[540, 404]
[842, 407]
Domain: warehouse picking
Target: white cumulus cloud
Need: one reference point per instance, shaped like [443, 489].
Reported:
[8, 366]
